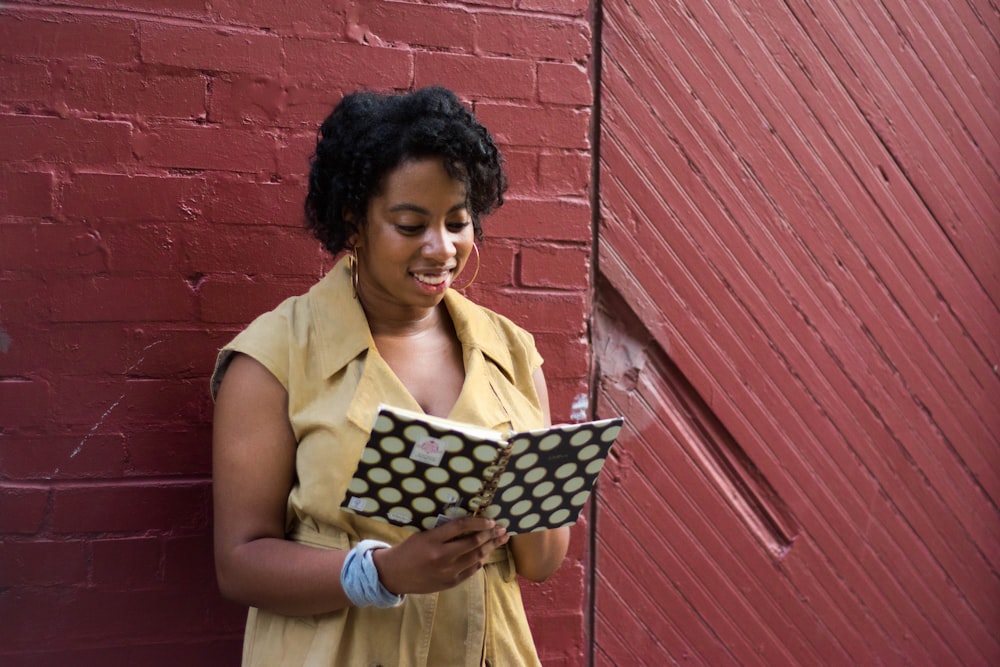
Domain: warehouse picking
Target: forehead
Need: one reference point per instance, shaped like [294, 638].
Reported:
[422, 180]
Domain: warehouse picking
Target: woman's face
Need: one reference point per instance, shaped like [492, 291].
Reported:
[417, 236]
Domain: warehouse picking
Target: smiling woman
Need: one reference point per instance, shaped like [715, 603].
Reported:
[401, 182]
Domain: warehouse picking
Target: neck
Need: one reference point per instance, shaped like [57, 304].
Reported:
[385, 319]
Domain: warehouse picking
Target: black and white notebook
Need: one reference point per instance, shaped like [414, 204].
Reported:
[418, 471]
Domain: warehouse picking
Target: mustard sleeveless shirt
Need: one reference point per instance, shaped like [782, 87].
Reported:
[318, 345]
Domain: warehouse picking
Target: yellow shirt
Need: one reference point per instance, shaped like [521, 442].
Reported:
[320, 348]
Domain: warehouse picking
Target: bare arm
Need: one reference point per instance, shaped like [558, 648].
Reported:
[539, 555]
[253, 466]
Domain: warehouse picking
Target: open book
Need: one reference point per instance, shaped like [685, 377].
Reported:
[418, 471]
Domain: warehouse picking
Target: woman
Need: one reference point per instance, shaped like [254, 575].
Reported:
[400, 182]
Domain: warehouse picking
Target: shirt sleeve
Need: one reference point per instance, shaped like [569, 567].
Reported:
[266, 340]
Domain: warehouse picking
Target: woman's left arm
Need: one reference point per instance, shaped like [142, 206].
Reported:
[539, 555]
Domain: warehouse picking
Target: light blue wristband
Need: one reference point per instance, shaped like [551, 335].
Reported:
[359, 578]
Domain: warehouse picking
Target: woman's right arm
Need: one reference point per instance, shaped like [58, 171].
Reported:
[253, 466]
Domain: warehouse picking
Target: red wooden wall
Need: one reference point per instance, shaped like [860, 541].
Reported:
[152, 161]
[798, 290]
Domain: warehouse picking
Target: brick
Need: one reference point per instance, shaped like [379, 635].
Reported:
[30, 617]
[104, 299]
[179, 450]
[564, 83]
[546, 127]
[504, 78]
[24, 404]
[293, 157]
[129, 508]
[562, 392]
[273, 251]
[73, 141]
[189, 560]
[496, 264]
[543, 312]
[170, 402]
[22, 510]
[27, 83]
[41, 563]
[556, 267]
[206, 148]
[525, 36]
[244, 99]
[412, 25]
[209, 49]
[62, 36]
[51, 248]
[83, 455]
[161, 198]
[551, 219]
[567, 7]
[117, 616]
[90, 406]
[173, 8]
[157, 352]
[350, 64]
[238, 202]
[127, 563]
[564, 173]
[140, 249]
[307, 17]
[25, 194]
[566, 356]
[69, 350]
[98, 90]
[521, 165]
[239, 301]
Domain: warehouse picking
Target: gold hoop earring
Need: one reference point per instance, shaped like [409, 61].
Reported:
[474, 273]
[352, 261]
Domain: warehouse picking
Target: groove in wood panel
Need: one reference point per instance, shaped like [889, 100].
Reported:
[621, 358]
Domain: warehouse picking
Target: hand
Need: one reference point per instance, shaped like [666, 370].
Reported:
[440, 558]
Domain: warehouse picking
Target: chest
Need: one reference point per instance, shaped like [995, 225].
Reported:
[431, 368]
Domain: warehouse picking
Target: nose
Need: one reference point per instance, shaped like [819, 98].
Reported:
[438, 243]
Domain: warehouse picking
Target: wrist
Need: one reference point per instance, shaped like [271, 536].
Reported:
[360, 577]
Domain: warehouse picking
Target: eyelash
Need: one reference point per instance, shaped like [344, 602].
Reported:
[453, 227]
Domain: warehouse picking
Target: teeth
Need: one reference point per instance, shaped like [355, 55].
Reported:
[431, 279]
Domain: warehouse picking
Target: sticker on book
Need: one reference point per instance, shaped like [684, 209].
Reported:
[428, 450]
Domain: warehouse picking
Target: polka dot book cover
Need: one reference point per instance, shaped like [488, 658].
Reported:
[418, 471]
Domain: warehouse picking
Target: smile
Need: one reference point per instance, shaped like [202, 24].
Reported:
[433, 279]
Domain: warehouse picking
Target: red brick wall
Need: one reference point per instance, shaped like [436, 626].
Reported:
[152, 160]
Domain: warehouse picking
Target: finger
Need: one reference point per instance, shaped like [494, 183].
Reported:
[460, 528]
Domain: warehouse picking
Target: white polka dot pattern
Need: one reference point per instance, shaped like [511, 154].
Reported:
[417, 473]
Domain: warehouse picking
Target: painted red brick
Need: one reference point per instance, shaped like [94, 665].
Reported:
[248, 99]
[22, 509]
[543, 127]
[240, 249]
[83, 455]
[248, 203]
[393, 23]
[98, 90]
[25, 194]
[24, 402]
[138, 198]
[351, 65]
[527, 36]
[240, 301]
[129, 508]
[564, 83]
[206, 148]
[28, 84]
[564, 173]
[75, 141]
[41, 562]
[209, 49]
[65, 36]
[102, 299]
[498, 78]
[308, 17]
[557, 267]
[188, 560]
[568, 7]
[126, 563]
[184, 449]
[562, 220]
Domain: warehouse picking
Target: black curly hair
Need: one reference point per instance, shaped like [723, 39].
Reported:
[368, 134]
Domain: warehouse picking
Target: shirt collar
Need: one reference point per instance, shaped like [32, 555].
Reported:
[343, 333]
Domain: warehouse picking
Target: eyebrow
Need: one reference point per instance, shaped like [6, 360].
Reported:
[423, 211]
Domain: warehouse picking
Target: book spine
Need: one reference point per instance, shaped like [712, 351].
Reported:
[482, 500]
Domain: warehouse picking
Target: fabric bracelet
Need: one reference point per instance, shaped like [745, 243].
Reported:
[359, 578]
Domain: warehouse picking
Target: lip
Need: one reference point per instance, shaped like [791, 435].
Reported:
[444, 275]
